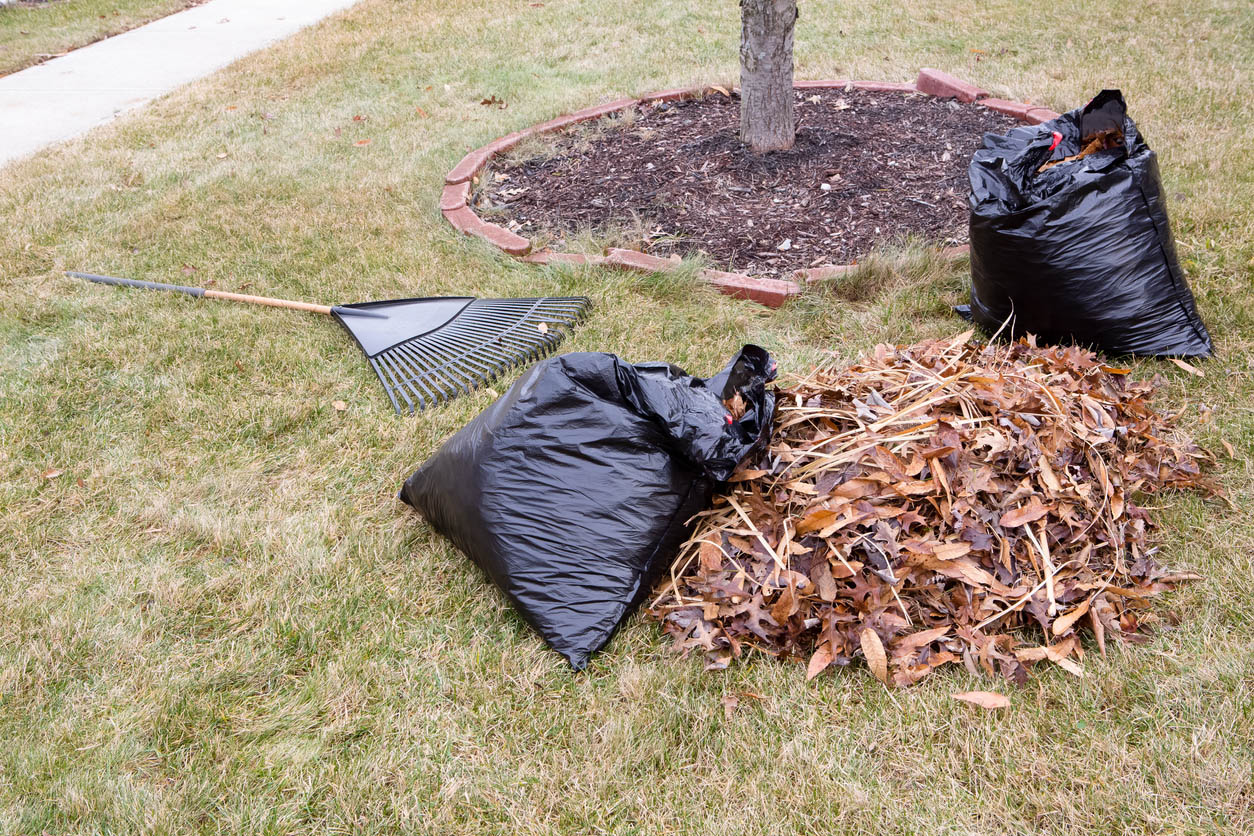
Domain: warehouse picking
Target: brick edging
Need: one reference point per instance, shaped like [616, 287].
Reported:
[455, 206]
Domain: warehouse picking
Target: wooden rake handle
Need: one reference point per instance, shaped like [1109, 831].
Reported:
[211, 294]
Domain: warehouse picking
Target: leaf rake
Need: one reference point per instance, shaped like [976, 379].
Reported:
[430, 350]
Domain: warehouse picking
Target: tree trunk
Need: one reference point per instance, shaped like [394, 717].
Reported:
[767, 122]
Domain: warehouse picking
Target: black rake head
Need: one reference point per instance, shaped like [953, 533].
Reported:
[428, 351]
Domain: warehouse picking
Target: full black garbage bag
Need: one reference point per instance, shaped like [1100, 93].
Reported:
[1082, 251]
[575, 488]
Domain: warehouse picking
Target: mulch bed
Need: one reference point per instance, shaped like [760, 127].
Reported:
[867, 167]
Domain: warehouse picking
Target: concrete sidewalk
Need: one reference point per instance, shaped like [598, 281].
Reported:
[68, 96]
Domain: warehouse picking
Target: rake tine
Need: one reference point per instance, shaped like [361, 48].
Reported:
[412, 382]
[415, 379]
[378, 370]
[440, 376]
[497, 333]
[448, 363]
[469, 349]
[421, 354]
[399, 382]
[419, 378]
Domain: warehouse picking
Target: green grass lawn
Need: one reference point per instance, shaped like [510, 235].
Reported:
[31, 32]
[216, 618]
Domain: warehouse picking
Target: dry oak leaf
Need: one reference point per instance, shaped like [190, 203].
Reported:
[989, 700]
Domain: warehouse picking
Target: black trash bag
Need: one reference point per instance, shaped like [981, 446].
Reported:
[1082, 251]
[575, 489]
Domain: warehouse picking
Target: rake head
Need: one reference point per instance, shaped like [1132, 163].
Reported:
[428, 351]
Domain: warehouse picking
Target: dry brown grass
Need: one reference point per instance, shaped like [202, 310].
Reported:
[217, 619]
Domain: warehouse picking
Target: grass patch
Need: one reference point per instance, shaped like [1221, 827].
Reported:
[31, 32]
[217, 618]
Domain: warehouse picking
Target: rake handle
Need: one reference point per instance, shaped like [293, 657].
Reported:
[210, 294]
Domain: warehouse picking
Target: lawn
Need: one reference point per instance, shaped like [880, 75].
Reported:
[35, 30]
[216, 618]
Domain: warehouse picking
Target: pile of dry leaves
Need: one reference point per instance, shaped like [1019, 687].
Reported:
[935, 503]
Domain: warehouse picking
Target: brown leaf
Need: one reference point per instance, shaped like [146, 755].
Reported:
[816, 520]
[914, 641]
[1032, 511]
[873, 649]
[1048, 478]
[1065, 621]
[422, 112]
[52, 472]
[951, 551]
[819, 661]
[786, 605]
[1188, 367]
[730, 703]
[362, 143]
[988, 700]
[711, 557]
[339, 406]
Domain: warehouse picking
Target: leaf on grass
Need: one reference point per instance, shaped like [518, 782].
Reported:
[52, 472]
[361, 142]
[819, 661]
[730, 703]
[339, 406]
[1188, 367]
[988, 700]
[873, 649]
[421, 112]
[543, 327]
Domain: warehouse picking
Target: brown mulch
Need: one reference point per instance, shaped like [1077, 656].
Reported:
[940, 503]
[867, 168]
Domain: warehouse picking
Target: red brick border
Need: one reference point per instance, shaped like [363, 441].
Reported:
[454, 200]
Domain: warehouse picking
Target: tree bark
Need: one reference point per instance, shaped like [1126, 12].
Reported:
[767, 122]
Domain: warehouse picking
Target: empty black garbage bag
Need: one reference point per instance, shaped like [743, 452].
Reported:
[1070, 240]
[575, 488]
